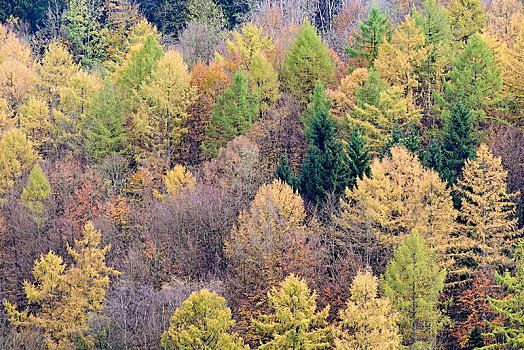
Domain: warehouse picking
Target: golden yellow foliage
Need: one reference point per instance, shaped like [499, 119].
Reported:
[368, 321]
[66, 297]
[401, 195]
[398, 60]
[487, 209]
[344, 98]
[177, 180]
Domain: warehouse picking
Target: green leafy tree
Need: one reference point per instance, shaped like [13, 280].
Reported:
[435, 24]
[475, 79]
[83, 28]
[459, 144]
[36, 192]
[234, 114]
[413, 282]
[202, 322]
[295, 323]
[263, 81]
[325, 171]
[368, 321]
[510, 306]
[376, 30]
[307, 62]
[104, 125]
[144, 51]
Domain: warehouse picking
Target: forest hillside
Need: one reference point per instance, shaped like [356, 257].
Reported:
[261, 174]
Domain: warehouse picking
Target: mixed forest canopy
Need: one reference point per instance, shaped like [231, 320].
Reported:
[261, 174]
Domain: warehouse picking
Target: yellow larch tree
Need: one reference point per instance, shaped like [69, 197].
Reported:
[400, 195]
[267, 233]
[17, 74]
[268, 242]
[467, 18]
[344, 99]
[178, 179]
[55, 70]
[249, 42]
[66, 297]
[505, 18]
[368, 321]
[513, 74]
[399, 59]
[16, 156]
[376, 122]
[34, 120]
[168, 96]
[488, 225]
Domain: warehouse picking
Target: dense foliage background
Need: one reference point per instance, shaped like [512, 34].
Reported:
[286, 174]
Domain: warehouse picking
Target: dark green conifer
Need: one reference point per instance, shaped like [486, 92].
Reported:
[475, 339]
[433, 156]
[373, 32]
[459, 143]
[358, 157]
[284, 173]
[325, 171]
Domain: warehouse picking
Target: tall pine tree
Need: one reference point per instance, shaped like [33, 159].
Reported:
[459, 144]
[373, 32]
[325, 171]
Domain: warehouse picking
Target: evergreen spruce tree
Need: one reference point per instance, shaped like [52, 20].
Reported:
[408, 139]
[308, 61]
[413, 282]
[325, 170]
[475, 339]
[510, 306]
[295, 323]
[234, 114]
[284, 173]
[319, 101]
[373, 32]
[459, 144]
[394, 139]
[358, 157]
[433, 156]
